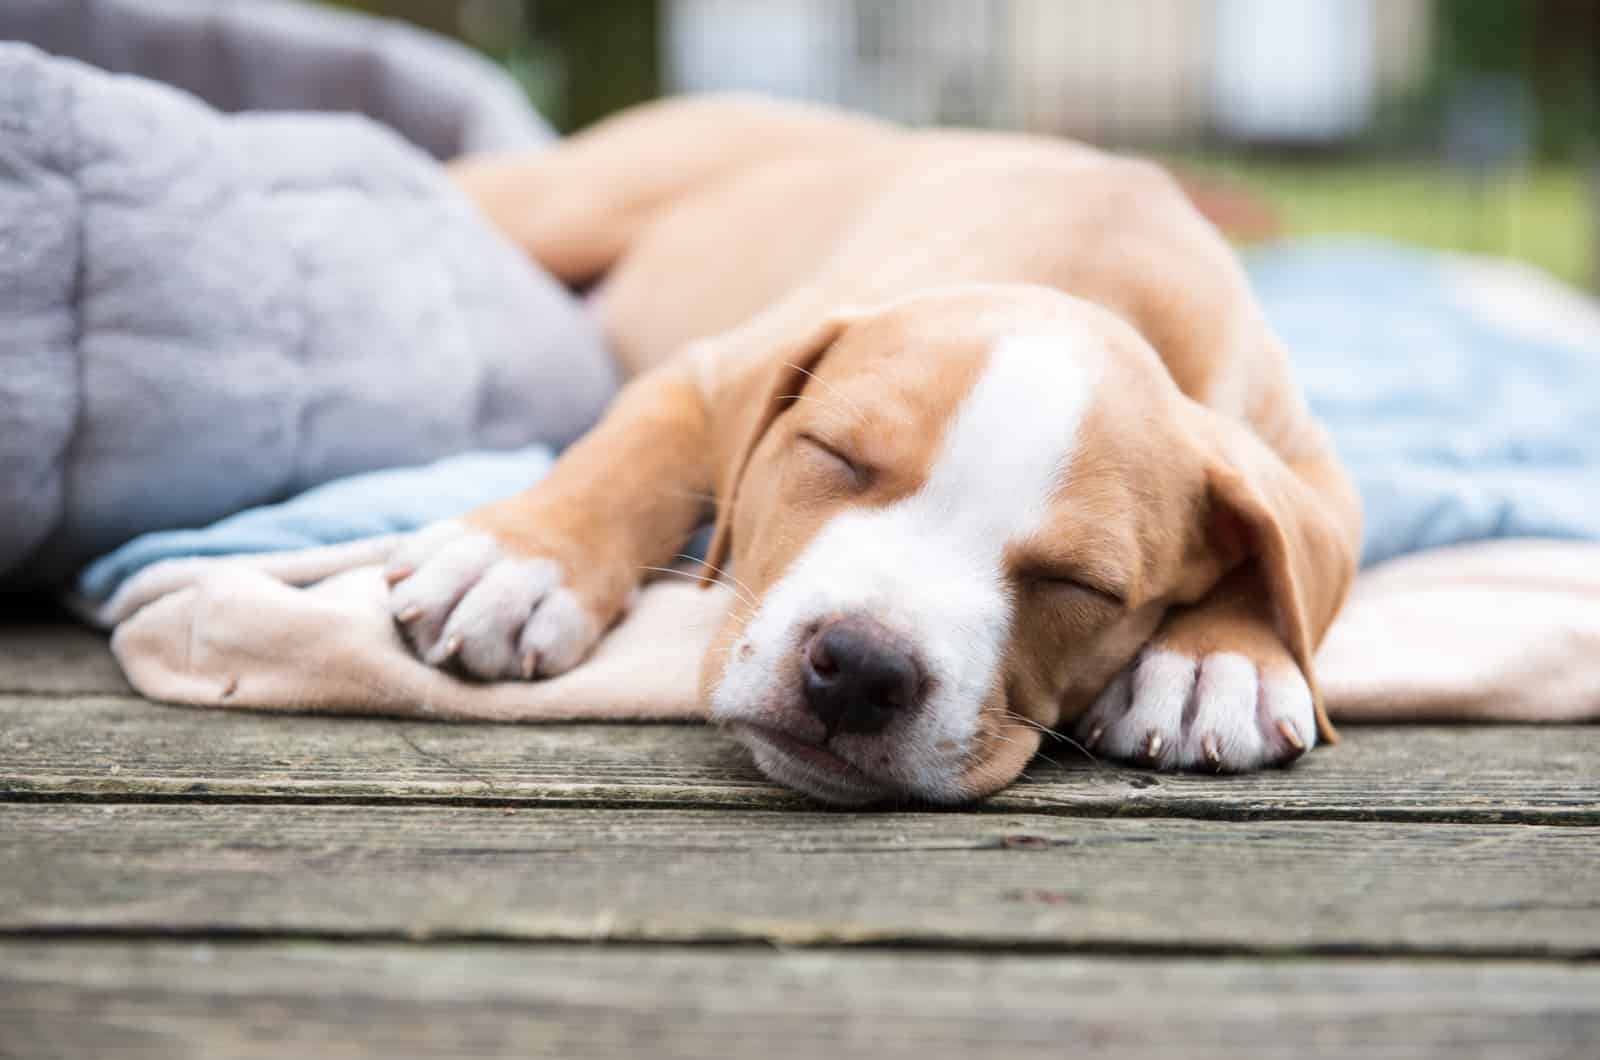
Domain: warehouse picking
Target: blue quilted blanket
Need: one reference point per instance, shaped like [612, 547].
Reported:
[1464, 395]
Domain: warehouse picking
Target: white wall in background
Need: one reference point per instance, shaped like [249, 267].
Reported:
[1297, 71]
[1116, 71]
[917, 61]
[1129, 70]
[781, 47]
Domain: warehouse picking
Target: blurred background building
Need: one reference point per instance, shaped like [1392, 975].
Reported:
[1463, 124]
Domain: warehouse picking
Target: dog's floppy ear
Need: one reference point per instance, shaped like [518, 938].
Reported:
[1299, 525]
[752, 394]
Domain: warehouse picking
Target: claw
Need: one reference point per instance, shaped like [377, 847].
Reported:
[409, 615]
[452, 647]
[1211, 749]
[530, 664]
[396, 575]
[1151, 751]
[1093, 739]
[1291, 734]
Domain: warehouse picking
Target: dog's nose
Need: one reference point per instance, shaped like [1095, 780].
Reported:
[856, 679]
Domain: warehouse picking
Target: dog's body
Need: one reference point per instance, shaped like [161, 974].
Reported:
[996, 437]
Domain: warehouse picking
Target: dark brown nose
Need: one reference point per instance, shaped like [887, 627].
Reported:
[856, 678]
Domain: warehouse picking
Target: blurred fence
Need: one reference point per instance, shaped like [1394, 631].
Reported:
[1464, 124]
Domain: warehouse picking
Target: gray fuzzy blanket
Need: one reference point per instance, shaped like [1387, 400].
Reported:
[201, 312]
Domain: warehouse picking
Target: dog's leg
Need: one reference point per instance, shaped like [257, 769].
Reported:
[577, 207]
[525, 587]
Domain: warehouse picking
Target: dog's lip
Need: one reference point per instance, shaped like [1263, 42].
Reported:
[809, 768]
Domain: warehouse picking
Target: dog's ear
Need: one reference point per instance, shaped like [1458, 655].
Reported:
[752, 393]
[1298, 524]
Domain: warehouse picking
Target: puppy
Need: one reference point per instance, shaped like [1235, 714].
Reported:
[995, 437]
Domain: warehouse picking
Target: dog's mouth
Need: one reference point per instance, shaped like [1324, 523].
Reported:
[809, 768]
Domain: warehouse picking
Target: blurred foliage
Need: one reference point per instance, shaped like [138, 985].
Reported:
[1552, 47]
[608, 54]
[579, 60]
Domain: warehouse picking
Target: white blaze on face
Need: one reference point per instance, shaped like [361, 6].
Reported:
[931, 566]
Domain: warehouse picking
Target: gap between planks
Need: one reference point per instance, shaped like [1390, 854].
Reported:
[120, 749]
[733, 942]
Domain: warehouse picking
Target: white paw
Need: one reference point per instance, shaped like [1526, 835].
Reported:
[462, 600]
[1219, 713]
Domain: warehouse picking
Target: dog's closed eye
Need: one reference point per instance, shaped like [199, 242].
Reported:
[1074, 582]
[857, 474]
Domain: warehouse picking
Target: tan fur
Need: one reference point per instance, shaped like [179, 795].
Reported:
[747, 247]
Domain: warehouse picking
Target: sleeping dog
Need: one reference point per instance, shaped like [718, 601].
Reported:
[996, 440]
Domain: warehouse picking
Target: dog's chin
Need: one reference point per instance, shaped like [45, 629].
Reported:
[811, 770]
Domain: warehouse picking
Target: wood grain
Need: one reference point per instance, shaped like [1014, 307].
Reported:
[177, 1001]
[47, 658]
[93, 747]
[800, 878]
[198, 883]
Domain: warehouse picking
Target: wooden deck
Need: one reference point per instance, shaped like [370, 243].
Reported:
[182, 883]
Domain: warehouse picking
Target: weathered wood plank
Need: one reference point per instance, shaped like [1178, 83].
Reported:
[174, 1001]
[111, 747]
[108, 746]
[800, 878]
[49, 658]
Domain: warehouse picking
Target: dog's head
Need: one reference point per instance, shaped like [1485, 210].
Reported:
[952, 520]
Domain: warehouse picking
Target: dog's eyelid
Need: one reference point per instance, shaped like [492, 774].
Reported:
[1081, 580]
[861, 472]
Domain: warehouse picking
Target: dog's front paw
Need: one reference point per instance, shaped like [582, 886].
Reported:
[463, 598]
[1221, 711]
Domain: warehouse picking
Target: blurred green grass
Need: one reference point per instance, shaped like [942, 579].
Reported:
[1535, 214]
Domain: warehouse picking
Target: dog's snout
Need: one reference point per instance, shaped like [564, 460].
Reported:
[857, 678]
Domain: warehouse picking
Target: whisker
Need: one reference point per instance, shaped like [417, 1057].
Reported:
[741, 611]
[699, 579]
[692, 576]
[1054, 734]
[834, 390]
[732, 578]
[810, 398]
[837, 393]
[988, 771]
[1090, 755]
[1037, 754]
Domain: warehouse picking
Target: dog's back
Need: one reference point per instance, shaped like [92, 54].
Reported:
[706, 212]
